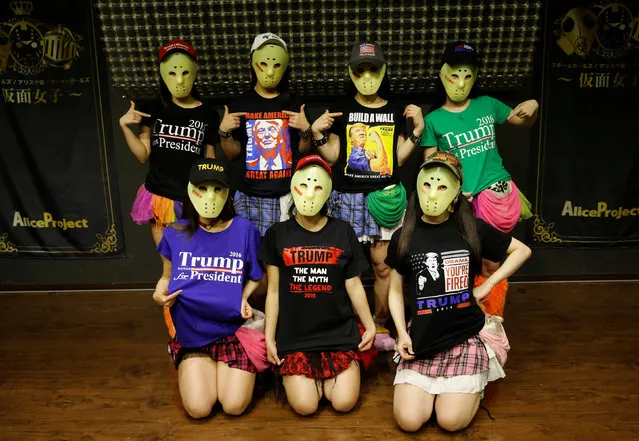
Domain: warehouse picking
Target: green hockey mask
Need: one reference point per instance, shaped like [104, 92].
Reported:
[437, 189]
[458, 81]
[367, 77]
[178, 71]
[269, 62]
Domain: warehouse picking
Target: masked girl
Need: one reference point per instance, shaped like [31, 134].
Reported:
[269, 130]
[450, 349]
[365, 137]
[465, 127]
[210, 270]
[313, 264]
[175, 130]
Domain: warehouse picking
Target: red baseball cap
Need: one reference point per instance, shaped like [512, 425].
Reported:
[314, 159]
[176, 46]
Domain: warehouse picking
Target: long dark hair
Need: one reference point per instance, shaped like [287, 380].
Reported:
[462, 215]
[190, 214]
[165, 94]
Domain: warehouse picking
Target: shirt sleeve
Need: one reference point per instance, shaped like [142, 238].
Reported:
[494, 243]
[268, 250]
[358, 263]
[429, 138]
[239, 134]
[338, 124]
[254, 269]
[164, 247]
[393, 260]
[210, 135]
[501, 110]
[150, 107]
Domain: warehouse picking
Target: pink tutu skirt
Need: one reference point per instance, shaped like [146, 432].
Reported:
[501, 210]
[148, 206]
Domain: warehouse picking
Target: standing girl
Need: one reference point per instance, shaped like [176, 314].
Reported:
[210, 270]
[450, 349]
[175, 130]
[270, 130]
[465, 127]
[313, 264]
[367, 144]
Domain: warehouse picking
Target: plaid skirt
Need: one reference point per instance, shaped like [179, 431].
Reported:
[322, 366]
[227, 349]
[353, 208]
[467, 358]
[463, 368]
[263, 212]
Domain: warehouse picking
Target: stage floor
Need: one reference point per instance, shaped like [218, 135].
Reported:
[94, 366]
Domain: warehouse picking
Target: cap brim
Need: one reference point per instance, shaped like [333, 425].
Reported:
[435, 163]
[199, 180]
[271, 41]
[373, 61]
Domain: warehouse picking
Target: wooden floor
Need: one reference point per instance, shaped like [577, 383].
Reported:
[94, 366]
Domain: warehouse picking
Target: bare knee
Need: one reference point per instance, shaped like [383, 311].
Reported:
[304, 406]
[409, 420]
[344, 404]
[235, 405]
[452, 422]
[198, 408]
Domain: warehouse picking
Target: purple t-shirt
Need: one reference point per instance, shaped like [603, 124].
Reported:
[211, 269]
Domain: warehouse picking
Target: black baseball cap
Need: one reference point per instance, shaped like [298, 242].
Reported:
[363, 52]
[460, 52]
[208, 169]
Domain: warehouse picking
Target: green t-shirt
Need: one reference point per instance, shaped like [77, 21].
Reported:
[470, 135]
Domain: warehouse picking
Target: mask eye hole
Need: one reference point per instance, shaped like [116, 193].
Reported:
[373, 69]
[455, 76]
[217, 189]
[277, 65]
[318, 188]
[304, 186]
[171, 74]
[359, 70]
[468, 77]
[427, 185]
[185, 73]
[442, 188]
[202, 188]
[263, 64]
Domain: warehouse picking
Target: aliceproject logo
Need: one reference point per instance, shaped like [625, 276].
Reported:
[602, 210]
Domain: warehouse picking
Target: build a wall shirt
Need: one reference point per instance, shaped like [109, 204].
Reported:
[368, 146]
[211, 269]
[270, 146]
[439, 273]
[315, 311]
[470, 135]
[178, 137]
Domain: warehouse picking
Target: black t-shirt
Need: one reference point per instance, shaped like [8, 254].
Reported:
[270, 146]
[178, 137]
[368, 146]
[440, 275]
[315, 311]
